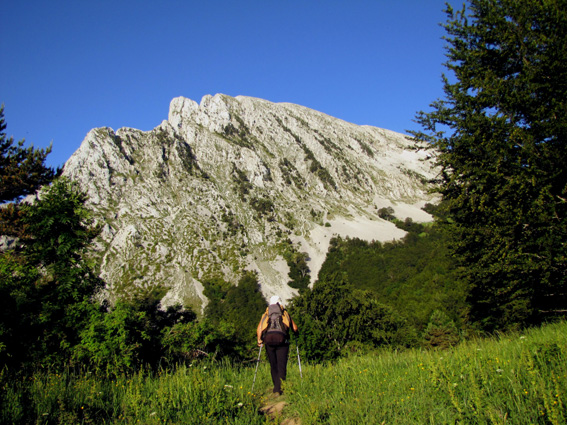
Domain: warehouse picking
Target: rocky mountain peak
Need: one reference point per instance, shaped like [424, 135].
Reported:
[240, 183]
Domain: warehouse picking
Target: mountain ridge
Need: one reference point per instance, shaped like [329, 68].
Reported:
[236, 183]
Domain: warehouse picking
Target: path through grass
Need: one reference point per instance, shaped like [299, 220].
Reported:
[514, 379]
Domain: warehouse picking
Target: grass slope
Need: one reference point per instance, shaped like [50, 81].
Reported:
[512, 379]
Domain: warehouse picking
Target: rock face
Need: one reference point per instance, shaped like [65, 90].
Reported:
[232, 184]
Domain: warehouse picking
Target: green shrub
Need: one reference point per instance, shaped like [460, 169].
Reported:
[386, 213]
[131, 335]
[441, 331]
[334, 314]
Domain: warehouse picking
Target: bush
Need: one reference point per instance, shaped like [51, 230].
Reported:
[386, 213]
[441, 331]
[335, 315]
[132, 334]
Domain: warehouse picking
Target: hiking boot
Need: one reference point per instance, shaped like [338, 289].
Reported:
[274, 395]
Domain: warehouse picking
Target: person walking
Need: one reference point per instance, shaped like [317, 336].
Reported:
[273, 333]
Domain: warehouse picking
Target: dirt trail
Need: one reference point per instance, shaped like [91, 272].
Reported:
[274, 407]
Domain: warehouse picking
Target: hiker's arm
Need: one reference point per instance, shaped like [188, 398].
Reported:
[294, 326]
[259, 330]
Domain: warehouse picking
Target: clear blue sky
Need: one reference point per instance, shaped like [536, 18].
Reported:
[69, 66]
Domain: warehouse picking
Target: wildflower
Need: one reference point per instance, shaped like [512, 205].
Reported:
[240, 404]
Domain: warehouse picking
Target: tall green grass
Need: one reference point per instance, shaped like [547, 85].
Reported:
[512, 379]
[201, 394]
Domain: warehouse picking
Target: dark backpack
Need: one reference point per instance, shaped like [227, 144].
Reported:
[276, 332]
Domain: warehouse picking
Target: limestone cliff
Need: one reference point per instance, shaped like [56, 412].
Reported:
[231, 183]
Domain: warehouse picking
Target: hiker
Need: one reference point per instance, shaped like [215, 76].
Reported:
[273, 332]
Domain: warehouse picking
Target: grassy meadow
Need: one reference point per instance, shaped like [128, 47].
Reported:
[513, 379]
[516, 378]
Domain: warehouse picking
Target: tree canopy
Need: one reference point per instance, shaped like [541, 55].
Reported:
[22, 170]
[335, 318]
[500, 135]
[46, 285]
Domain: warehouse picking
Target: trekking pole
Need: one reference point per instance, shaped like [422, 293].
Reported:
[257, 363]
[299, 361]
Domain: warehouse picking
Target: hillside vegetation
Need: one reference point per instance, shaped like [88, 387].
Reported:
[390, 332]
[515, 378]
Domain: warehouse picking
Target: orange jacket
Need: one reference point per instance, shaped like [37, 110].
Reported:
[288, 321]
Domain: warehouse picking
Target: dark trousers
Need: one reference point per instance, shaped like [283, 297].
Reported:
[277, 355]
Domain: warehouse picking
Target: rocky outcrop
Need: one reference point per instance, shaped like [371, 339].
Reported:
[232, 184]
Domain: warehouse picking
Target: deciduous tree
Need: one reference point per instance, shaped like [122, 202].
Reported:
[46, 286]
[335, 315]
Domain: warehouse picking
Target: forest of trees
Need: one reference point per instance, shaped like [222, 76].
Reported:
[494, 259]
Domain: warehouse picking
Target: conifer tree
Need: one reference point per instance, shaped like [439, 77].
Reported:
[500, 135]
[22, 172]
[441, 331]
